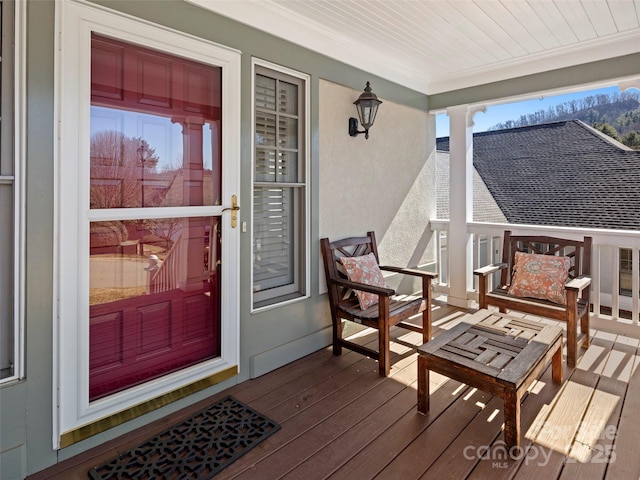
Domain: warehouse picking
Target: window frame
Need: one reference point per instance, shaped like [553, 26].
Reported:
[16, 133]
[299, 288]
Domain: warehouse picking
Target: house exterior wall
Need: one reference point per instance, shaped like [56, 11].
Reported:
[385, 183]
[270, 338]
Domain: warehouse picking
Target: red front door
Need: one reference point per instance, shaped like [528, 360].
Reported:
[155, 150]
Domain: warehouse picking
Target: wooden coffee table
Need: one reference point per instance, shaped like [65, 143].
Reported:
[495, 353]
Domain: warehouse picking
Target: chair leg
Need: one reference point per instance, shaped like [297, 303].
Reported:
[423, 386]
[572, 338]
[584, 328]
[426, 315]
[482, 291]
[384, 365]
[337, 336]
[426, 325]
[572, 328]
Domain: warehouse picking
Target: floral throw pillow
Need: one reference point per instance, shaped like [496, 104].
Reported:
[365, 270]
[540, 276]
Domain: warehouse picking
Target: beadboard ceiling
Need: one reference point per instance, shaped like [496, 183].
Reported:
[433, 46]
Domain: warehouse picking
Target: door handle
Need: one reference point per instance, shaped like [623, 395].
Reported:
[234, 211]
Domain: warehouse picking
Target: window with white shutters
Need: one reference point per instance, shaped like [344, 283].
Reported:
[279, 186]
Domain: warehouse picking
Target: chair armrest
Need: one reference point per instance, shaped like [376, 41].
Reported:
[578, 284]
[488, 269]
[363, 287]
[409, 271]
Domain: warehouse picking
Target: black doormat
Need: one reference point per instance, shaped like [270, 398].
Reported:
[197, 448]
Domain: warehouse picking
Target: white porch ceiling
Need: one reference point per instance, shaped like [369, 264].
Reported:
[434, 46]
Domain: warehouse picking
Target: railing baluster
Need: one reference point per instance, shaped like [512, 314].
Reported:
[635, 285]
[615, 283]
[443, 259]
[595, 279]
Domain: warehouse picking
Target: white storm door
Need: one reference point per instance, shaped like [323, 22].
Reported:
[147, 165]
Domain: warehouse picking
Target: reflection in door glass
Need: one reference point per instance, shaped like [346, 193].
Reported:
[155, 128]
[137, 161]
[154, 299]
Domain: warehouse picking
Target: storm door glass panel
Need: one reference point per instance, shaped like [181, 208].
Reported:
[155, 142]
[153, 305]
[155, 126]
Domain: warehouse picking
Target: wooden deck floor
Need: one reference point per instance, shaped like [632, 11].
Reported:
[340, 420]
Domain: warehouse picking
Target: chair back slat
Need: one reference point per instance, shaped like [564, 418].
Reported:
[332, 252]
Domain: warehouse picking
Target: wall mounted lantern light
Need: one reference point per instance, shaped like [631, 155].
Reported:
[367, 106]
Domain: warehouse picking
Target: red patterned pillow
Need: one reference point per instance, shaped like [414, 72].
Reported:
[364, 269]
[540, 276]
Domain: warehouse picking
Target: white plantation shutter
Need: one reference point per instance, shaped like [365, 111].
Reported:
[273, 248]
[279, 186]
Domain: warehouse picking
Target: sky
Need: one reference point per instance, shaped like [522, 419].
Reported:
[512, 111]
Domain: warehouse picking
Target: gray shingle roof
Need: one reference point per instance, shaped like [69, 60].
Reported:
[485, 208]
[562, 173]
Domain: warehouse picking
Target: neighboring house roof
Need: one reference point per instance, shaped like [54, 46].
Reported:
[561, 173]
[485, 208]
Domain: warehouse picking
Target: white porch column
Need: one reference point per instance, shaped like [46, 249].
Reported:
[459, 241]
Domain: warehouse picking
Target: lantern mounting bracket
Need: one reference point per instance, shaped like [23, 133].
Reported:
[353, 128]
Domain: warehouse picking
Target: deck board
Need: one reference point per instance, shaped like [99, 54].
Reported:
[422, 451]
[484, 429]
[380, 451]
[594, 440]
[336, 453]
[627, 438]
[340, 420]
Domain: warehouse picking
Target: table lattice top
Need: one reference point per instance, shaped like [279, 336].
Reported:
[497, 345]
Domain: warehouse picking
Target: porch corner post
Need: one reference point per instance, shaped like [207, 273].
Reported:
[459, 240]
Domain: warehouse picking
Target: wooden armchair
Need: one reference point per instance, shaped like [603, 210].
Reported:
[390, 310]
[576, 289]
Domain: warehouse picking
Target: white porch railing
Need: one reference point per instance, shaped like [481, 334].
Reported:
[607, 276]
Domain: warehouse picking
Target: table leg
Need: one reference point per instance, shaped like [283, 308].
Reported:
[512, 419]
[423, 386]
[556, 363]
